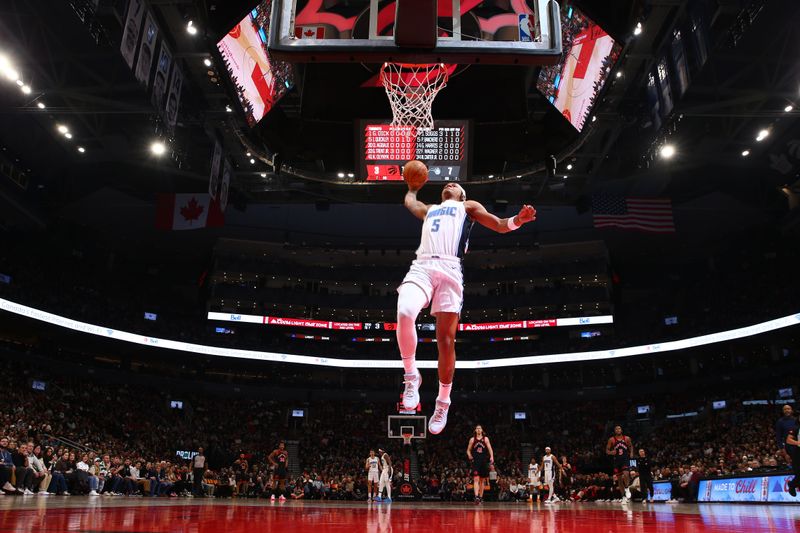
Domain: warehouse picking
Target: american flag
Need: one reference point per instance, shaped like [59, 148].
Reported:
[645, 214]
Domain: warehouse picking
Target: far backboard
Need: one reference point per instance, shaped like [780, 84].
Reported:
[470, 31]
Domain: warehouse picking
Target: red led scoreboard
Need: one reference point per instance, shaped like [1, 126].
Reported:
[384, 149]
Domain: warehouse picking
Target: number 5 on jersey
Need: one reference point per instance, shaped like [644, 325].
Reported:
[435, 225]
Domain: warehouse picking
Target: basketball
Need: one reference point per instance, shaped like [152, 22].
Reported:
[415, 174]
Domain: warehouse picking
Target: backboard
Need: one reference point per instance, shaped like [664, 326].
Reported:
[469, 31]
[399, 424]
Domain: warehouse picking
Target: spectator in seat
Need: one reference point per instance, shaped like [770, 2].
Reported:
[6, 466]
[58, 485]
[24, 472]
[41, 474]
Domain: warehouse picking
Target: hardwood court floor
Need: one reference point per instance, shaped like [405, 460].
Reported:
[139, 515]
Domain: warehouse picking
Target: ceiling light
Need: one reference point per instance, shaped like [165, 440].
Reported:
[11, 74]
[491, 176]
[62, 128]
[263, 174]
[788, 108]
[569, 167]
[619, 74]
[228, 109]
[252, 161]
[158, 148]
[249, 154]
[565, 177]
[207, 62]
[40, 105]
[350, 175]
[763, 134]
[667, 151]
[19, 82]
[81, 149]
[745, 153]
[68, 135]
[638, 29]
[26, 89]
[594, 118]
[340, 175]
[191, 29]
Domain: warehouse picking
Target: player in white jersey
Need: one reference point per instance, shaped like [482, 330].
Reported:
[385, 478]
[534, 480]
[373, 475]
[435, 279]
[548, 466]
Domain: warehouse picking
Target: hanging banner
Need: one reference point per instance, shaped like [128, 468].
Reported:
[174, 97]
[162, 77]
[133, 27]
[213, 182]
[226, 184]
[147, 50]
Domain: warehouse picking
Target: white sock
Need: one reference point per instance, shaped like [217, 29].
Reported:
[444, 392]
[410, 363]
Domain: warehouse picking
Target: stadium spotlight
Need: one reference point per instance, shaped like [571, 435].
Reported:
[340, 175]
[191, 29]
[68, 135]
[763, 134]
[745, 153]
[81, 149]
[788, 108]
[19, 82]
[619, 74]
[638, 29]
[7, 69]
[351, 175]
[667, 151]
[569, 167]
[158, 148]
[252, 161]
[207, 62]
[62, 129]
[26, 89]
[40, 105]
[228, 109]
[263, 174]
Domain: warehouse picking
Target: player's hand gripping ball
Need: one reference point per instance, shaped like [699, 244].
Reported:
[415, 174]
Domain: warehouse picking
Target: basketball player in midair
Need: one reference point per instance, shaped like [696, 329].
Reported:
[479, 451]
[386, 477]
[534, 480]
[620, 448]
[279, 459]
[373, 475]
[435, 279]
[548, 466]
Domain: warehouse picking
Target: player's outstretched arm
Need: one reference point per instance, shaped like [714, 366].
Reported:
[477, 212]
[417, 208]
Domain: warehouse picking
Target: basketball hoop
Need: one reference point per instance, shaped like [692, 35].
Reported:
[407, 438]
[411, 89]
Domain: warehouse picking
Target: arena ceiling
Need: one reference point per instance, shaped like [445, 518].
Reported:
[69, 52]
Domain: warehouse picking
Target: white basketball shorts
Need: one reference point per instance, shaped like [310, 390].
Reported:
[442, 282]
[373, 476]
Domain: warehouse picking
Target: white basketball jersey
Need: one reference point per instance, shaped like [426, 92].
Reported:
[533, 471]
[446, 230]
[547, 465]
[373, 464]
[384, 463]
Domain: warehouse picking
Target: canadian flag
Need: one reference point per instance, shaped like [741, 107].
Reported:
[188, 211]
[309, 32]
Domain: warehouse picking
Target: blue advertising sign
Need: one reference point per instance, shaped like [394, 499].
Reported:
[662, 491]
[748, 489]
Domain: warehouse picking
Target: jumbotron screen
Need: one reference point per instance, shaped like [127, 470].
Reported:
[383, 149]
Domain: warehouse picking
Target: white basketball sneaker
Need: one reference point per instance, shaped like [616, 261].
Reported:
[411, 392]
[439, 419]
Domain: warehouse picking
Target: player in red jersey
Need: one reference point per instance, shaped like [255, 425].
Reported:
[481, 455]
[620, 448]
[279, 459]
[435, 279]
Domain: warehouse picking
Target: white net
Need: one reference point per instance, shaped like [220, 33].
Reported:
[411, 89]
